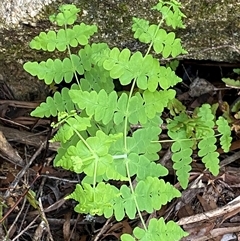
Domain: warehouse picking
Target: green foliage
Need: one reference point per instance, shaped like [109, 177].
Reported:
[197, 131]
[225, 130]
[96, 124]
[231, 82]
[60, 102]
[157, 230]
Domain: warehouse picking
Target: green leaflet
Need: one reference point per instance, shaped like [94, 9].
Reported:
[97, 79]
[92, 200]
[209, 155]
[55, 70]
[225, 130]
[231, 82]
[171, 12]
[95, 201]
[157, 230]
[152, 193]
[156, 101]
[101, 105]
[71, 125]
[182, 151]
[68, 15]
[60, 102]
[207, 146]
[90, 156]
[163, 42]
[51, 40]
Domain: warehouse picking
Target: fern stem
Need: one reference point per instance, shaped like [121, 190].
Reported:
[159, 25]
[135, 200]
[123, 156]
[93, 154]
[187, 139]
[70, 56]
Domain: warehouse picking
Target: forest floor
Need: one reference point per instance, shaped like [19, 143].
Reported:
[32, 204]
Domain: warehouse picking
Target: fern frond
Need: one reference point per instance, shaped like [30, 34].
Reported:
[182, 151]
[71, 125]
[152, 193]
[207, 150]
[52, 40]
[91, 156]
[102, 105]
[165, 43]
[95, 201]
[155, 102]
[55, 70]
[67, 16]
[60, 102]
[97, 78]
[142, 108]
[171, 13]
[225, 130]
[207, 146]
[157, 230]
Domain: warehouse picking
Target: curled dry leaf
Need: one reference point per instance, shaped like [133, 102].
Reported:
[8, 151]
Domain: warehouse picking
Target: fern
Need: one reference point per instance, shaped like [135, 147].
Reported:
[95, 122]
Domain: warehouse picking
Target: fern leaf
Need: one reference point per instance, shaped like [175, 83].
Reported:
[225, 130]
[90, 157]
[162, 76]
[163, 42]
[55, 70]
[142, 167]
[231, 83]
[171, 13]
[137, 111]
[97, 78]
[152, 193]
[140, 28]
[157, 230]
[182, 151]
[95, 201]
[51, 40]
[209, 155]
[102, 105]
[156, 101]
[68, 15]
[71, 125]
[60, 102]
[207, 146]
